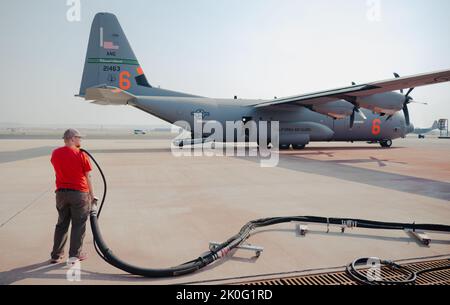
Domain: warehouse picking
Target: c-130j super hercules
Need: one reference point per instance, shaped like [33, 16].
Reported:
[370, 112]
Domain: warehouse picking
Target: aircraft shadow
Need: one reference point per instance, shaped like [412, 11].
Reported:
[342, 169]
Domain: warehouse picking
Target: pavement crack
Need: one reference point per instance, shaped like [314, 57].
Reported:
[26, 207]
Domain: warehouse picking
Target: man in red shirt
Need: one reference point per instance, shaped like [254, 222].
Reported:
[74, 195]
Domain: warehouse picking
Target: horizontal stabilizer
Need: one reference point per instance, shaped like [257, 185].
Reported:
[106, 95]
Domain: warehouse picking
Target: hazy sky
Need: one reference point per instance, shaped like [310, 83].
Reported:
[221, 48]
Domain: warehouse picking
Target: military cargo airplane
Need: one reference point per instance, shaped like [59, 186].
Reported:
[370, 112]
[423, 131]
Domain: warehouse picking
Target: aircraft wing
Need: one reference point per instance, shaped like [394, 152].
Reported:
[107, 95]
[352, 92]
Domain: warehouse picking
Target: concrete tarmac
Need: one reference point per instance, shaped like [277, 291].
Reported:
[163, 210]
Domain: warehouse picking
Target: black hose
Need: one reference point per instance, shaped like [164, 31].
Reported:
[105, 253]
[368, 278]
[224, 248]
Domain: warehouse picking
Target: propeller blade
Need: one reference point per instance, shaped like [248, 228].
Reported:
[406, 112]
[352, 119]
[361, 114]
[416, 102]
[409, 92]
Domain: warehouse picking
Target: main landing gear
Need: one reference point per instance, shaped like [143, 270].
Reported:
[386, 143]
[287, 146]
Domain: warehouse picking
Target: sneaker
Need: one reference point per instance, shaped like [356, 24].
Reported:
[56, 260]
[82, 257]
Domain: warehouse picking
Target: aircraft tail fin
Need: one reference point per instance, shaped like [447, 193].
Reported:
[110, 60]
[435, 125]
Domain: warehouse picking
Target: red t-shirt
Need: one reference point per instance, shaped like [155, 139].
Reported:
[70, 166]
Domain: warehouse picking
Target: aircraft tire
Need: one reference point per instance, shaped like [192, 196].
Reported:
[386, 143]
[298, 147]
[284, 146]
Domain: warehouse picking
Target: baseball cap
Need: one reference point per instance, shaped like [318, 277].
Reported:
[70, 133]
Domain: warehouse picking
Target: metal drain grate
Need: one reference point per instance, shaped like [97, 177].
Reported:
[441, 277]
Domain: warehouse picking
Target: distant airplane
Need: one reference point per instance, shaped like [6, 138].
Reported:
[423, 131]
[370, 112]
